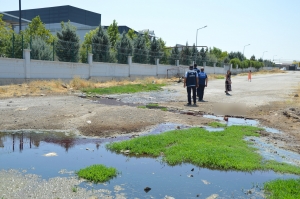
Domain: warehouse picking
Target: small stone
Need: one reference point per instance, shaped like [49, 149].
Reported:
[42, 94]
[147, 189]
[64, 85]
[296, 95]
[178, 127]
[89, 122]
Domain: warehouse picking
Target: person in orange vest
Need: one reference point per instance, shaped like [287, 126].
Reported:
[249, 76]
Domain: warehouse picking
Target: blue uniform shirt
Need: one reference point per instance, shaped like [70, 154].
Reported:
[202, 76]
[191, 78]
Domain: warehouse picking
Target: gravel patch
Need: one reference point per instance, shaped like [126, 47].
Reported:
[15, 184]
[166, 95]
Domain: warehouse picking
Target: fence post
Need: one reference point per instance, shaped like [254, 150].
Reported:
[53, 50]
[90, 61]
[214, 67]
[157, 64]
[129, 62]
[27, 63]
[23, 46]
[176, 62]
[13, 46]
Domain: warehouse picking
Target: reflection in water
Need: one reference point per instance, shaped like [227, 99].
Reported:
[28, 139]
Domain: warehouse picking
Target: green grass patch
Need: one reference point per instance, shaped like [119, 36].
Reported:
[154, 106]
[283, 189]
[142, 107]
[97, 173]
[220, 77]
[130, 88]
[216, 124]
[225, 150]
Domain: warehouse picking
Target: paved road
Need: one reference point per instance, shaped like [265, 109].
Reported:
[260, 91]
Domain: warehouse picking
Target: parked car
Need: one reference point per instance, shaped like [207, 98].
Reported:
[283, 68]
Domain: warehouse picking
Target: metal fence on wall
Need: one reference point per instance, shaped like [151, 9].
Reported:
[66, 51]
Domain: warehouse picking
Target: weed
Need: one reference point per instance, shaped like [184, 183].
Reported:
[283, 188]
[97, 173]
[142, 107]
[164, 109]
[216, 124]
[225, 150]
[74, 189]
[78, 83]
[130, 88]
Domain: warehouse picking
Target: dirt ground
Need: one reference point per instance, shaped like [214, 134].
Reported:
[269, 98]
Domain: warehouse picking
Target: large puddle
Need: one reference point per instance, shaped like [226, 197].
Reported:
[26, 151]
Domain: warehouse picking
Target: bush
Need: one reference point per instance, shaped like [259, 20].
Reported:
[97, 173]
[40, 50]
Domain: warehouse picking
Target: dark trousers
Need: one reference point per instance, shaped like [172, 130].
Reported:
[189, 89]
[200, 91]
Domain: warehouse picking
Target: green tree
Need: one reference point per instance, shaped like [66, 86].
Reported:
[202, 54]
[195, 52]
[113, 33]
[211, 58]
[216, 51]
[155, 50]
[166, 52]
[131, 34]
[175, 55]
[238, 55]
[87, 45]
[13, 48]
[226, 60]
[40, 50]
[5, 37]
[186, 55]
[67, 45]
[101, 46]
[252, 58]
[141, 52]
[37, 28]
[235, 62]
[147, 39]
[124, 49]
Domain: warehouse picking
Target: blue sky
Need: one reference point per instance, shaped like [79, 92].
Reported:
[267, 25]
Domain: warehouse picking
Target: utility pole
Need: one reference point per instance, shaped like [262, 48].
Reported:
[20, 16]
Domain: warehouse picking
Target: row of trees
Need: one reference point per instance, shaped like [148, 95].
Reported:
[108, 45]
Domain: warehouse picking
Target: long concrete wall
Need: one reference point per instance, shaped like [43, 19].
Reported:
[20, 70]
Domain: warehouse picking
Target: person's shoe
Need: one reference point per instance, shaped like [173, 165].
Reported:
[202, 100]
[199, 100]
[195, 104]
[188, 104]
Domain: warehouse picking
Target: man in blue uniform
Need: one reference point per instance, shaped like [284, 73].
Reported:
[202, 84]
[191, 84]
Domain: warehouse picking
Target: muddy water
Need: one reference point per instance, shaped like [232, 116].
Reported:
[25, 151]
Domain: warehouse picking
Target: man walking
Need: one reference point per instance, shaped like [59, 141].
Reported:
[191, 84]
[202, 84]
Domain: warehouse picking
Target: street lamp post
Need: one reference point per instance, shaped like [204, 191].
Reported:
[20, 15]
[263, 54]
[244, 48]
[197, 33]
